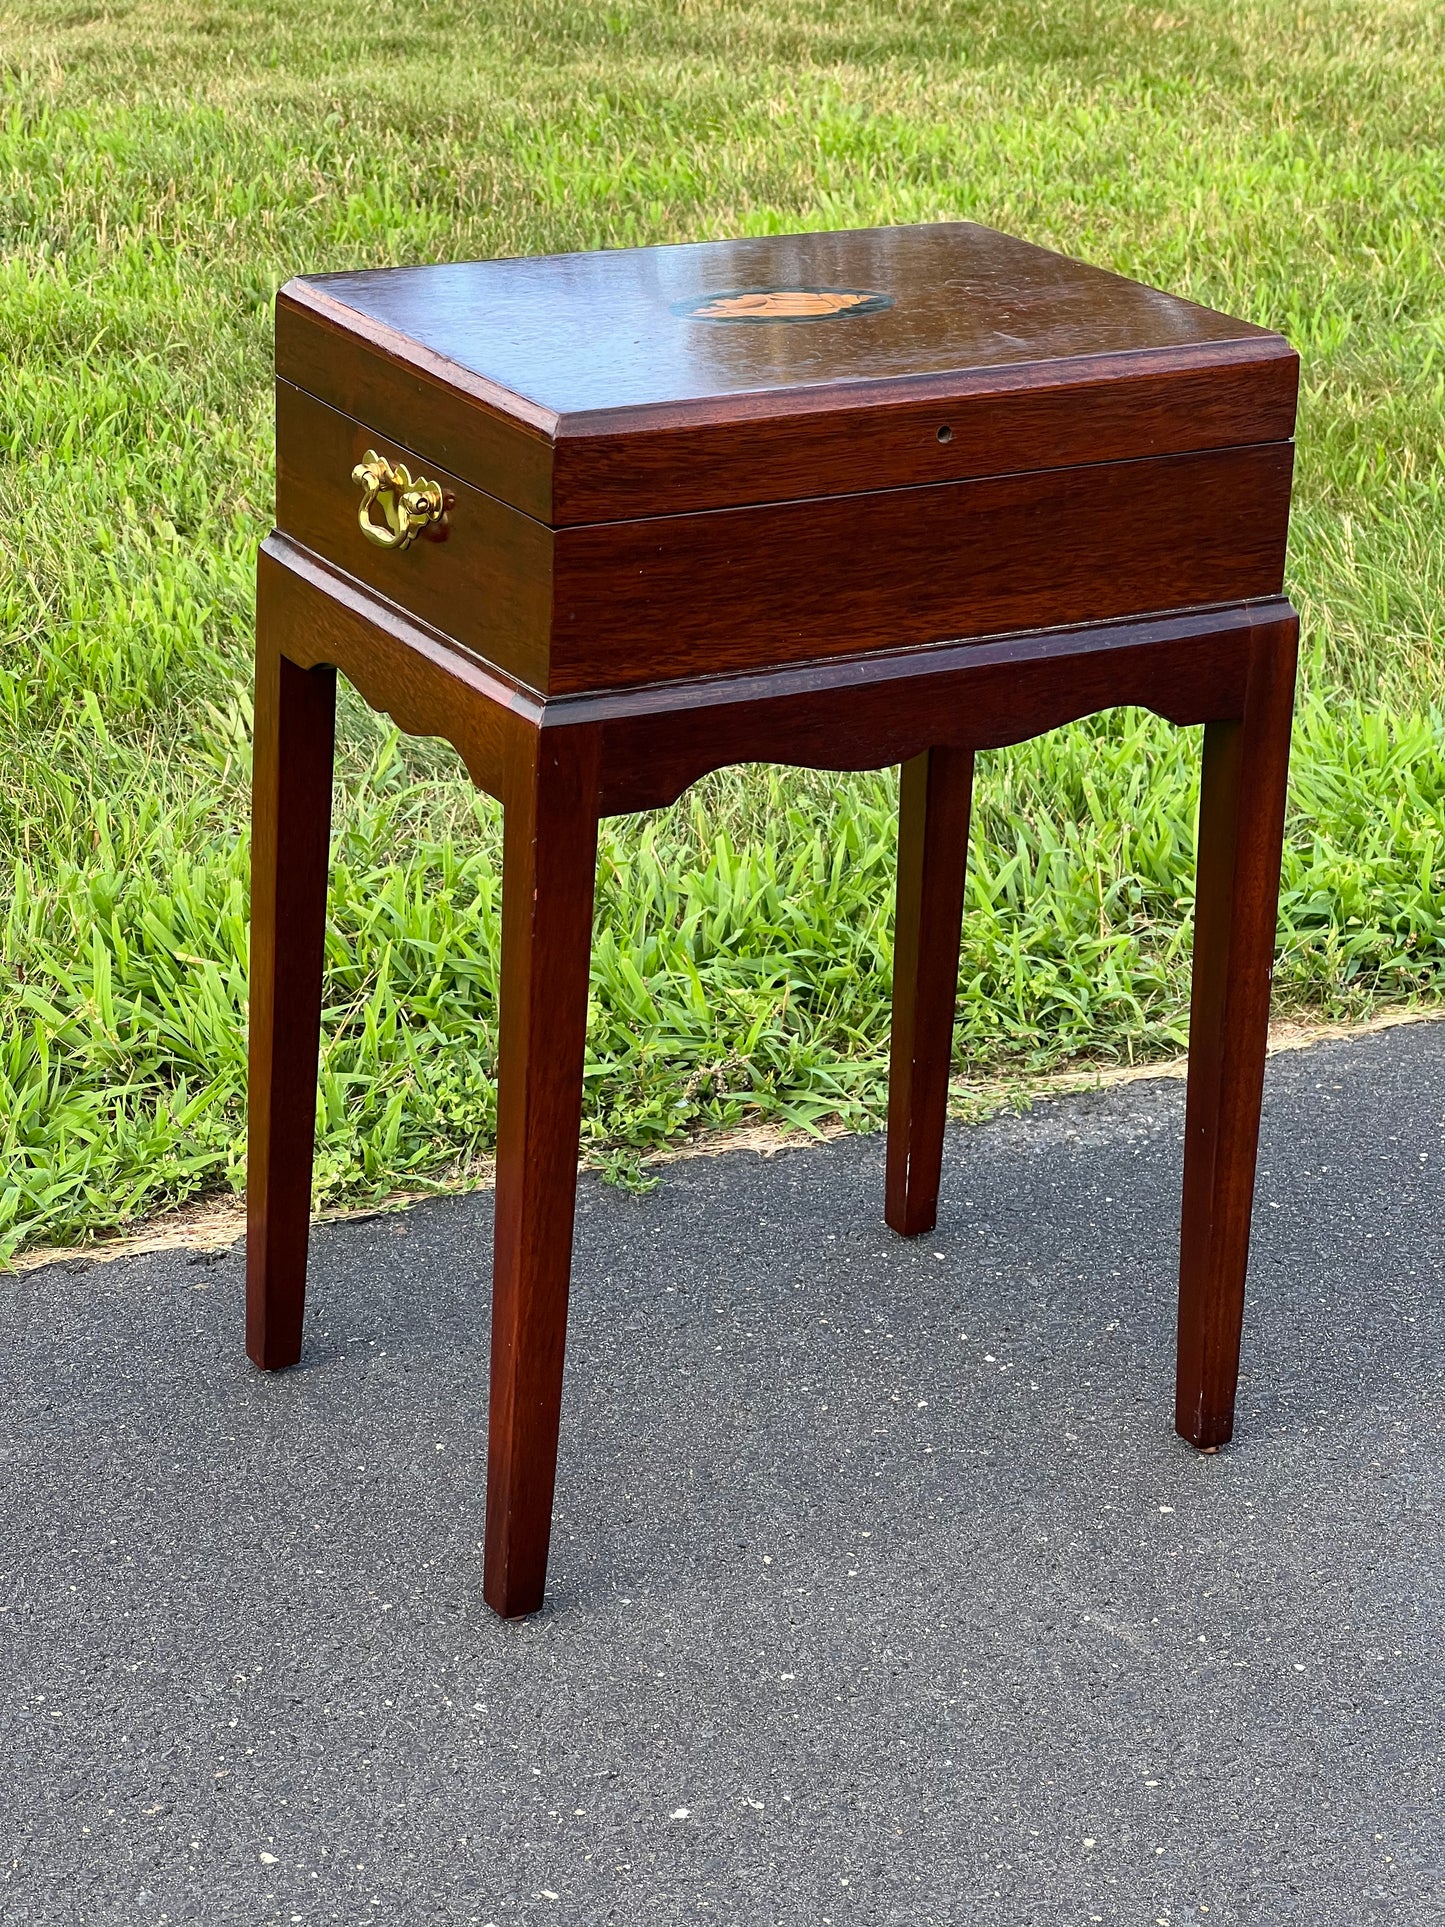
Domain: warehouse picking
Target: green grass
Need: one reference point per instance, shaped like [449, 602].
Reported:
[163, 167]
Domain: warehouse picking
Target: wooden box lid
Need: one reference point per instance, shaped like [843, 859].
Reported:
[638, 382]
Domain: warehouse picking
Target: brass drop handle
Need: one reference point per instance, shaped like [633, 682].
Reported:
[408, 508]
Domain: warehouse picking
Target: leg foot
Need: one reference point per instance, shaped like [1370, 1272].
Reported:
[935, 798]
[1241, 826]
[290, 841]
[549, 874]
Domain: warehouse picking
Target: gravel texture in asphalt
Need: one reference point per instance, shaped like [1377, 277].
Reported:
[881, 1589]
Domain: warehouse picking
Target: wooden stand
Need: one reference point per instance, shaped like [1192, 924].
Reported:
[556, 773]
[761, 562]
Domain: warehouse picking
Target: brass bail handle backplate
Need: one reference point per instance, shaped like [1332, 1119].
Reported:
[408, 508]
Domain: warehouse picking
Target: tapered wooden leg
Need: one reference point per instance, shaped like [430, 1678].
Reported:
[549, 875]
[1241, 826]
[295, 716]
[935, 797]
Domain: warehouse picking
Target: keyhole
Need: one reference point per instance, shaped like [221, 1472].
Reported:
[945, 434]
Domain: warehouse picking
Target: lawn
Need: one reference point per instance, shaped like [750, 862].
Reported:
[165, 166]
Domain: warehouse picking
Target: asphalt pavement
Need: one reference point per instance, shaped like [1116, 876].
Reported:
[881, 1589]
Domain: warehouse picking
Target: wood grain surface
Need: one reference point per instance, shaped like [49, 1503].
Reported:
[489, 584]
[621, 327]
[608, 467]
[549, 870]
[1241, 831]
[829, 500]
[732, 589]
[560, 762]
[935, 797]
[844, 714]
[290, 838]
[675, 597]
[585, 388]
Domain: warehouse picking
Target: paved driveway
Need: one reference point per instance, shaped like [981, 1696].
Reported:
[881, 1590]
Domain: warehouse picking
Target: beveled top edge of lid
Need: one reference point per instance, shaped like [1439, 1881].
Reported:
[522, 333]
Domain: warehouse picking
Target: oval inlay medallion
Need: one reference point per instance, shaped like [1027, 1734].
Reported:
[784, 304]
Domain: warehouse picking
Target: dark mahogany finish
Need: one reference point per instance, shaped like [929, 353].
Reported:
[572, 609]
[570, 387]
[935, 797]
[829, 500]
[292, 744]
